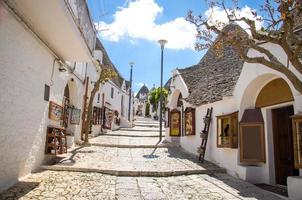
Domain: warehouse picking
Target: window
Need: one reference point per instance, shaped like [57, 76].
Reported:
[122, 105]
[297, 134]
[190, 121]
[252, 143]
[112, 93]
[46, 92]
[227, 131]
[103, 100]
[99, 95]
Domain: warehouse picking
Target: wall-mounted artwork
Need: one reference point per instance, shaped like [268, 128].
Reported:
[190, 121]
[75, 116]
[55, 111]
[175, 123]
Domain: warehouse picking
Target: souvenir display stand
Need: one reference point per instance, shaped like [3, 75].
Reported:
[56, 142]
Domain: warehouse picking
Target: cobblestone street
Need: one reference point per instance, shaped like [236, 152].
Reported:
[129, 164]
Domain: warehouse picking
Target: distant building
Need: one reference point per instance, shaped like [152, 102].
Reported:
[111, 104]
[141, 105]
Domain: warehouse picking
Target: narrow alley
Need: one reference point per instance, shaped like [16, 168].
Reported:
[131, 164]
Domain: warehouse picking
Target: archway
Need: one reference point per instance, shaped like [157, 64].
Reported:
[174, 98]
[275, 92]
[66, 105]
[176, 112]
[274, 96]
[70, 102]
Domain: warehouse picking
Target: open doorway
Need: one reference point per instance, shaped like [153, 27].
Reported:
[66, 102]
[283, 144]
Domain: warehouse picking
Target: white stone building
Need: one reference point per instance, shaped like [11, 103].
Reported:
[47, 54]
[141, 101]
[111, 103]
[251, 128]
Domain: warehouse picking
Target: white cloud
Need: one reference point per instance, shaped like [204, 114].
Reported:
[217, 14]
[138, 21]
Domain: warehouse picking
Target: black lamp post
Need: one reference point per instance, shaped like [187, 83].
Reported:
[130, 90]
[162, 45]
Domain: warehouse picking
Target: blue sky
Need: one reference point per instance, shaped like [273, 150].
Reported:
[129, 31]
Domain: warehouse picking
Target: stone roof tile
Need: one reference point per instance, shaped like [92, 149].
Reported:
[214, 77]
[118, 80]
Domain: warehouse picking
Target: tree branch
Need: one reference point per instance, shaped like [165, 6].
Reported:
[272, 65]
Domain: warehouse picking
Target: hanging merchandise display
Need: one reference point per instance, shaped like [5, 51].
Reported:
[109, 115]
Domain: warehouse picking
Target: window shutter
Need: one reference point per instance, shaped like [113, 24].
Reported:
[252, 143]
[297, 138]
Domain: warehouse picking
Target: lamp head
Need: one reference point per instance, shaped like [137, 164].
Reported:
[162, 43]
[131, 63]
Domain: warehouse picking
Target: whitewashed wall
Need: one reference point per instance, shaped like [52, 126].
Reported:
[115, 103]
[252, 79]
[26, 65]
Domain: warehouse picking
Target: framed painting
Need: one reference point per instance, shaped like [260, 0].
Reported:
[75, 116]
[55, 111]
[175, 123]
[190, 121]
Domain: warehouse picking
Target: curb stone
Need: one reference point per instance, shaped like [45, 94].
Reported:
[134, 173]
[132, 146]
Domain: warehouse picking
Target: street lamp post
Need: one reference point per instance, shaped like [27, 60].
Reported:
[130, 90]
[162, 45]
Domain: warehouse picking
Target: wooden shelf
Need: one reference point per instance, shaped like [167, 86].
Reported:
[56, 142]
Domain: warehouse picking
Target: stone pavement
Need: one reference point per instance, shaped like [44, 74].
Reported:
[80, 185]
[131, 165]
[112, 140]
[133, 156]
[134, 162]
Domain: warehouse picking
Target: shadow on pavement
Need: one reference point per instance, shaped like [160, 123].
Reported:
[241, 189]
[189, 158]
[152, 154]
[19, 190]
[70, 159]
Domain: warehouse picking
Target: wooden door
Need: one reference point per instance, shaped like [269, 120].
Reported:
[283, 144]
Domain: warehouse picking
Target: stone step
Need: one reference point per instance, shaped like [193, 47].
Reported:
[147, 125]
[157, 162]
[147, 121]
[135, 146]
[130, 135]
[134, 173]
[140, 130]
